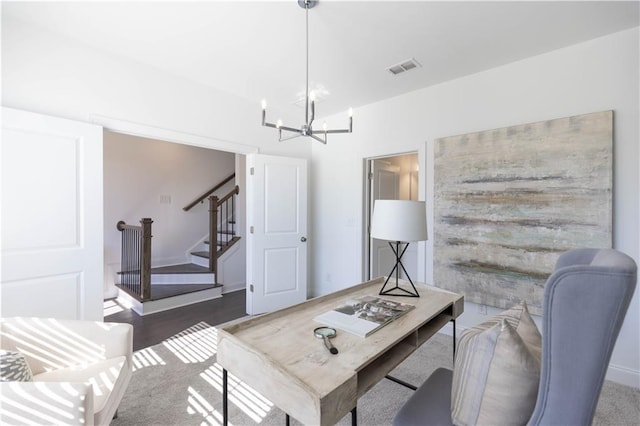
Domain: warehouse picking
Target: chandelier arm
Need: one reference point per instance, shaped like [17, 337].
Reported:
[337, 131]
[324, 141]
[281, 139]
[289, 129]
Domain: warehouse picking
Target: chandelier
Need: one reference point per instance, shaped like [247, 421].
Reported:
[309, 110]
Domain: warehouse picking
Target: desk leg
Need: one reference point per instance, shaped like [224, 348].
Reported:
[354, 416]
[401, 382]
[225, 412]
[454, 339]
[287, 419]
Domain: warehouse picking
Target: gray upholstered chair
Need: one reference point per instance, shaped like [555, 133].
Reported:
[585, 301]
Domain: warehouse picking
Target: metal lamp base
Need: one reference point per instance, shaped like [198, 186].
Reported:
[397, 290]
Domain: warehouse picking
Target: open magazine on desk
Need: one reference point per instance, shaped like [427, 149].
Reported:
[364, 315]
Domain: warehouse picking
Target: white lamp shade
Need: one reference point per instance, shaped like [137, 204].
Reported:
[399, 220]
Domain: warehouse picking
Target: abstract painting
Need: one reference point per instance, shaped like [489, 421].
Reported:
[509, 201]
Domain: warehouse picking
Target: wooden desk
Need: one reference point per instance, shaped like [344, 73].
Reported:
[278, 355]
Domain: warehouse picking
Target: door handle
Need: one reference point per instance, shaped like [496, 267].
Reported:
[303, 239]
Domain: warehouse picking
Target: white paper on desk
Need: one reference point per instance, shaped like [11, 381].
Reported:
[349, 323]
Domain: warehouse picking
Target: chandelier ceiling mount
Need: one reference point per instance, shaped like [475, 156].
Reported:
[309, 110]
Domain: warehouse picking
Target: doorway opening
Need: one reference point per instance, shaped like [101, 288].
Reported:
[158, 179]
[392, 177]
[183, 142]
[244, 205]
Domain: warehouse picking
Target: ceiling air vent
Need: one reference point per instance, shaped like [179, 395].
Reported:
[403, 66]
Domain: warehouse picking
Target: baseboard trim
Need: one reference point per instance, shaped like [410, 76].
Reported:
[623, 375]
[154, 306]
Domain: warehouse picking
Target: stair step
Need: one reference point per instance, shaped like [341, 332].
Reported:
[165, 297]
[222, 246]
[204, 254]
[167, 290]
[221, 242]
[202, 257]
[185, 268]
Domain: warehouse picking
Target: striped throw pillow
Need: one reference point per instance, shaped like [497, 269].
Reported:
[497, 371]
[14, 367]
[520, 319]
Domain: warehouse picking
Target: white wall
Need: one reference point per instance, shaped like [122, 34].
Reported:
[601, 74]
[150, 178]
[50, 74]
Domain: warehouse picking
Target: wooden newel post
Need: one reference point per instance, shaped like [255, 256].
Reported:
[213, 236]
[145, 264]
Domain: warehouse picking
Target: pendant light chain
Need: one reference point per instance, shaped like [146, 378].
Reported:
[306, 93]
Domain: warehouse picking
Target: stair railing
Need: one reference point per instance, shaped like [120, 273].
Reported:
[201, 198]
[135, 259]
[222, 213]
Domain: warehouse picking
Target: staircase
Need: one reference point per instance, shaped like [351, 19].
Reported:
[148, 290]
[179, 285]
[174, 286]
[226, 239]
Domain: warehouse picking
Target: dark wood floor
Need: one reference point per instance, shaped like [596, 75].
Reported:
[151, 329]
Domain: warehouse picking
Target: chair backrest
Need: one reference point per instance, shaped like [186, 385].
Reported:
[585, 301]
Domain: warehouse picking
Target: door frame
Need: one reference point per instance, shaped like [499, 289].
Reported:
[167, 135]
[366, 209]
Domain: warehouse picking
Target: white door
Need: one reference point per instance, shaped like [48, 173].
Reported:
[51, 217]
[277, 232]
[385, 185]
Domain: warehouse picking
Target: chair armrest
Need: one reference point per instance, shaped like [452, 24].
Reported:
[46, 403]
[49, 343]
[117, 338]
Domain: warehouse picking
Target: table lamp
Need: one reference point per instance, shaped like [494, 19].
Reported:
[399, 222]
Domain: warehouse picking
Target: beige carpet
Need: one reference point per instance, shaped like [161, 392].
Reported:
[178, 382]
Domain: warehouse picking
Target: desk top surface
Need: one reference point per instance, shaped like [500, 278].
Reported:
[285, 339]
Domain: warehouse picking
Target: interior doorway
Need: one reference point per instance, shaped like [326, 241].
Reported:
[389, 178]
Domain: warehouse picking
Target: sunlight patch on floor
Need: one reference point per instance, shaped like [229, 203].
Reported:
[195, 344]
[146, 357]
[198, 405]
[242, 396]
[110, 307]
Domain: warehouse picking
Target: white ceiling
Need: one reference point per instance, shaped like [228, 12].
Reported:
[256, 49]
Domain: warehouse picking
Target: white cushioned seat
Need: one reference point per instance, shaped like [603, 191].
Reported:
[104, 376]
[77, 366]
